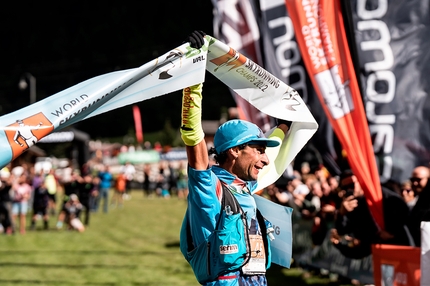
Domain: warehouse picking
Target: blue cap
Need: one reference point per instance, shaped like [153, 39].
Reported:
[237, 132]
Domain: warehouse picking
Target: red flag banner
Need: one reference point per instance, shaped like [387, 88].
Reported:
[138, 123]
[321, 37]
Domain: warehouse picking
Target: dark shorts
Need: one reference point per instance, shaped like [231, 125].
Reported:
[39, 210]
[52, 197]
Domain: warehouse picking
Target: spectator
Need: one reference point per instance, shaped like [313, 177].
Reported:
[129, 170]
[21, 195]
[421, 187]
[105, 184]
[120, 186]
[95, 192]
[409, 194]
[309, 179]
[305, 168]
[355, 229]
[182, 181]
[37, 179]
[5, 201]
[51, 184]
[395, 212]
[333, 182]
[146, 179]
[281, 192]
[312, 201]
[70, 187]
[300, 191]
[419, 179]
[40, 206]
[162, 188]
[172, 178]
[86, 187]
[321, 173]
[324, 218]
[73, 209]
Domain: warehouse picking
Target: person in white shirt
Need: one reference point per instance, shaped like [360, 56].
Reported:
[129, 170]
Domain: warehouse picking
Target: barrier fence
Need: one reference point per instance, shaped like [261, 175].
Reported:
[387, 265]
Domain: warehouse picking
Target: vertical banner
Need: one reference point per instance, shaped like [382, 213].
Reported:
[396, 265]
[321, 37]
[137, 124]
[283, 59]
[393, 47]
[235, 24]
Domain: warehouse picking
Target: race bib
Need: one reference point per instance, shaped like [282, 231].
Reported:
[257, 262]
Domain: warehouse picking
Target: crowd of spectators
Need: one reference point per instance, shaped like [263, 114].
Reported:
[336, 206]
[65, 197]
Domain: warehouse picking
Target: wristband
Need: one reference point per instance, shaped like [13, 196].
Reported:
[277, 133]
[191, 124]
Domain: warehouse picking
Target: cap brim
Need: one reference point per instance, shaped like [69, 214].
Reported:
[264, 141]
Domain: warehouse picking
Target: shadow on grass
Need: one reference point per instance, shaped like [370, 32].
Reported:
[173, 244]
[277, 275]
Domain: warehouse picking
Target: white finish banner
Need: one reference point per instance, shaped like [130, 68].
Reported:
[175, 70]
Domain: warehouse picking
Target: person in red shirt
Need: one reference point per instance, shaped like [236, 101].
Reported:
[120, 187]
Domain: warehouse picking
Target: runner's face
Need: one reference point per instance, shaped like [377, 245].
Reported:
[250, 161]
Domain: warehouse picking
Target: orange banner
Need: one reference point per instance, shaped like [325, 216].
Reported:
[396, 265]
[321, 37]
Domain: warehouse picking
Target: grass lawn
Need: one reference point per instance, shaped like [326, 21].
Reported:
[135, 245]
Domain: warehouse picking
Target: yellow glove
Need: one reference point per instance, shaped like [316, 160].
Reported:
[191, 126]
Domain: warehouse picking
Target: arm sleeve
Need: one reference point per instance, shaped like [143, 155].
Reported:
[191, 124]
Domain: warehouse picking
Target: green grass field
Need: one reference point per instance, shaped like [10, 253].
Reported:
[135, 245]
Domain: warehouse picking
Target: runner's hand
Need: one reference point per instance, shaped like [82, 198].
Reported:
[196, 39]
[282, 121]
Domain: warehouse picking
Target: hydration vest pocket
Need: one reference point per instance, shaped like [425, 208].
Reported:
[223, 251]
[228, 242]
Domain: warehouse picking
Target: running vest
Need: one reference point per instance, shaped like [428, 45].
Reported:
[228, 248]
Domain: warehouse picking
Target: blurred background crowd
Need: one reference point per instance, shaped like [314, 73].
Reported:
[62, 194]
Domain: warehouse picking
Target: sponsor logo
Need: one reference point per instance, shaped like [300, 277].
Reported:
[290, 101]
[232, 59]
[228, 249]
[199, 59]
[166, 65]
[26, 132]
